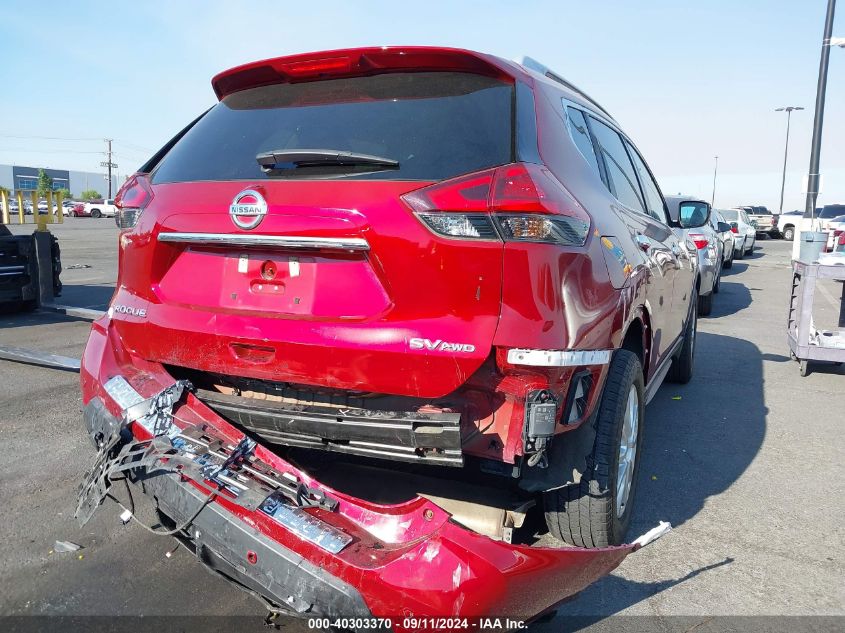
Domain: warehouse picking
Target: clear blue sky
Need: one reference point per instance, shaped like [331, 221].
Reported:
[686, 80]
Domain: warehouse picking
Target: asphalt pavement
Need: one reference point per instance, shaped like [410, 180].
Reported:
[745, 462]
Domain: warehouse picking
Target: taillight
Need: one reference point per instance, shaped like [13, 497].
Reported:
[699, 239]
[135, 194]
[734, 227]
[517, 202]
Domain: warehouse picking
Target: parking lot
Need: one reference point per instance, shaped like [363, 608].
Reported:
[745, 462]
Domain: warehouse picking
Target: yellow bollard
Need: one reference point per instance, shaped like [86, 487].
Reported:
[4, 201]
[59, 210]
[40, 220]
[20, 207]
[50, 218]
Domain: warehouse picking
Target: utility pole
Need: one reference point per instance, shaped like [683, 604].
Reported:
[108, 142]
[788, 110]
[818, 118]
[108, 163]
[715, 170]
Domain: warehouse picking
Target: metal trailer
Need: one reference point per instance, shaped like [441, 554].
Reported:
[806, 343]
[30, 269]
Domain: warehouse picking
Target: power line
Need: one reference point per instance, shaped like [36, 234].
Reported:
[133, 146]
[49, 138]
[49, 151]
[128, 145]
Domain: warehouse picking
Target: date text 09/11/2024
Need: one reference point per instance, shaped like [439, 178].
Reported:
[420, 623]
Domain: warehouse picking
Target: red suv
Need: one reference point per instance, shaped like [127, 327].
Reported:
[372, 307]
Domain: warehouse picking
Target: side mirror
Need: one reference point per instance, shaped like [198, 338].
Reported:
[694, 214]
[724, 227]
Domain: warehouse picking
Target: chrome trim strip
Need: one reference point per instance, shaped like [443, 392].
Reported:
[283, 241]
[558, 358]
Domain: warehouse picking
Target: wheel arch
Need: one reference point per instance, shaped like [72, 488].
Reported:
[637, 337]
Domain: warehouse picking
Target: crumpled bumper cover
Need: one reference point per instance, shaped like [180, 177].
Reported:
[406, 559]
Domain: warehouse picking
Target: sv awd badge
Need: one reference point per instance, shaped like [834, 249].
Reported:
[441, 346]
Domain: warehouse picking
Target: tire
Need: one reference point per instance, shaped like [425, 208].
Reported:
[789, 233]
[593, 513]
[751, 248]
[705, 304]
[718, 283]
[95, 213]
[741, 253]
[728, 264]
[804, 368]
[681, 369]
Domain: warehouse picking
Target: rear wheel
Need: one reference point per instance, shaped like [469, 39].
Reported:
[750, 249]
[718, 283]
[789, 233]
[740, 254]
[597, 511]
[95, 213]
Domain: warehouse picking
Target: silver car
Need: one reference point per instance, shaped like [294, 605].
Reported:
[723, 228]
[707, 241]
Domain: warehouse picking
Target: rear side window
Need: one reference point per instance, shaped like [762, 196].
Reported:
[437, 125]
[619, 167]
[581, 136]
[653, 199]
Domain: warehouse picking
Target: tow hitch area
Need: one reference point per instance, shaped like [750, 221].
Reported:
[309, 550]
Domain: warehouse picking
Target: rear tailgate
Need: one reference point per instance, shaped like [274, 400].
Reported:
[339, 284]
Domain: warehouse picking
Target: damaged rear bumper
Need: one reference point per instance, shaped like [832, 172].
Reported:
[335, 555]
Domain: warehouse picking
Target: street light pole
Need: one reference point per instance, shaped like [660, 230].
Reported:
[788, 110]
[715, 170]
[818, 118]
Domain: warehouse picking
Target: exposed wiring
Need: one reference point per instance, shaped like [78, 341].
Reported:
[179, 528]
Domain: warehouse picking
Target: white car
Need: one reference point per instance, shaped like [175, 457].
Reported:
[745, 233]
[42, 208]
[762, 219]
[101, 208]
[788, 223]
[835, 228]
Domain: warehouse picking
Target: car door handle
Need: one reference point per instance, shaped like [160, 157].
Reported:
[643, 242]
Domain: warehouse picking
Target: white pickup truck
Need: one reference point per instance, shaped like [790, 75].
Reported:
[101, 208]
[788, 223]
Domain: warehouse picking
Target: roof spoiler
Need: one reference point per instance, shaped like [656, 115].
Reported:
[354, 62]
[532, 64]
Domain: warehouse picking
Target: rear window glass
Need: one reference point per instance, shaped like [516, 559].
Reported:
[832, 210]
[437, 125]
[731, 216]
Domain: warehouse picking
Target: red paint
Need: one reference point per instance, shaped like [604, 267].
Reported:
[406, 558]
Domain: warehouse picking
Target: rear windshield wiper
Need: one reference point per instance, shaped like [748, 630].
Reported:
[298, 158]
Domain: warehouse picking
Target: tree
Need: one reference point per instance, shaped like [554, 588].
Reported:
[90, 194]
[45, 183]
[65, 193]
[4, 190]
